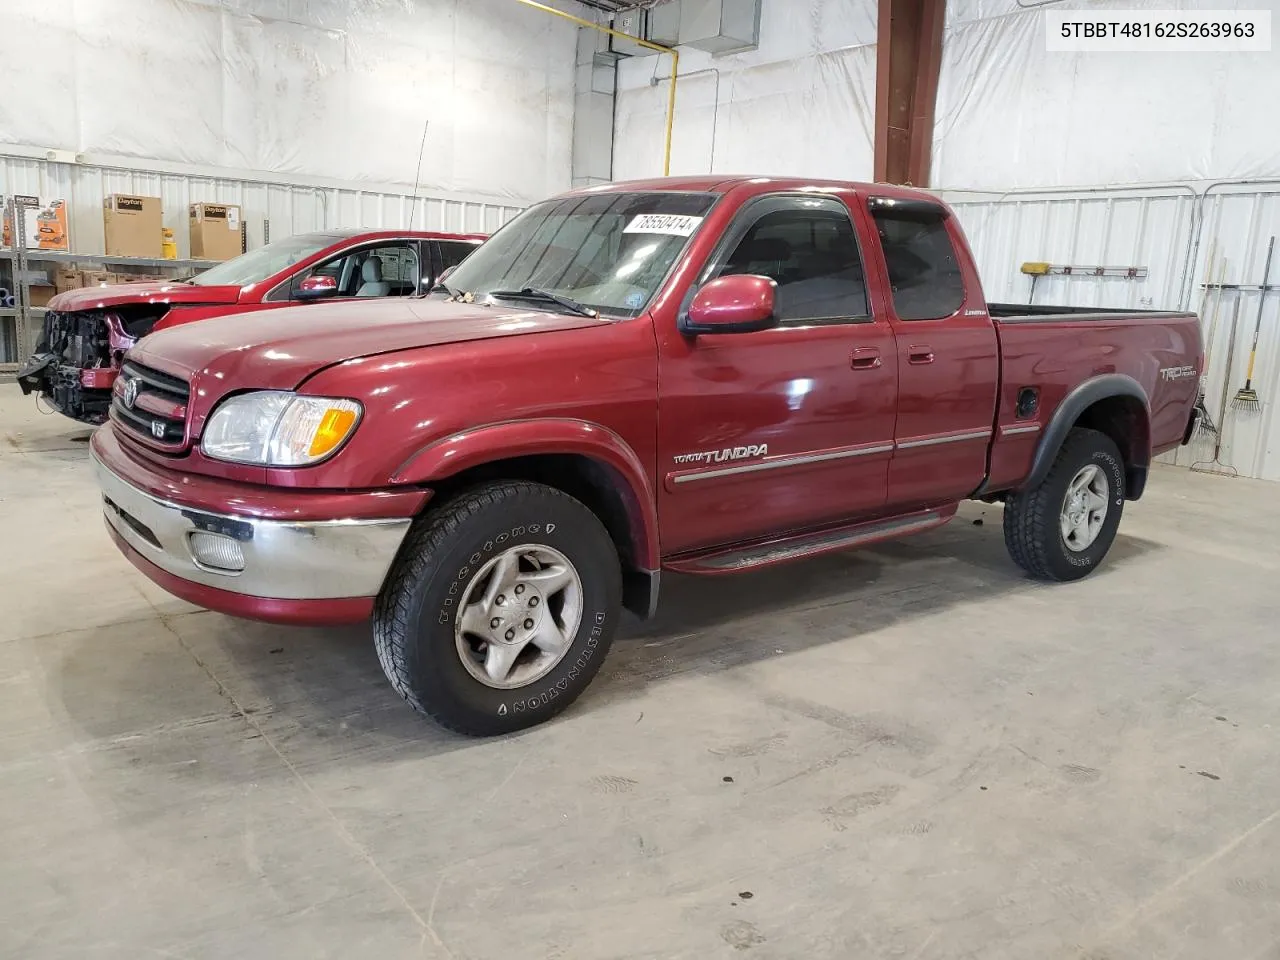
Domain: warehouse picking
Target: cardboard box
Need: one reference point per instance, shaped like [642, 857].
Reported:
[132, 226]
[215, 231]
[44, 221]
[98, 278]
[67, 279]
[41, 295]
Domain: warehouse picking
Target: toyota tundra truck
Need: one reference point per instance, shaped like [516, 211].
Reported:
[702, 376]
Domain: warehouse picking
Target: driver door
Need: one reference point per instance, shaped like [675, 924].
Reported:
[783, 429]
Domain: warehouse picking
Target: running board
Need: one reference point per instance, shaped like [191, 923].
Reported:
[811, 544]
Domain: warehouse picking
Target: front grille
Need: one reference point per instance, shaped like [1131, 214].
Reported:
[151, 404]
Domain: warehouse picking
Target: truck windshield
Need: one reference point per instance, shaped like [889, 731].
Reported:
[256, 265]
[607, 251]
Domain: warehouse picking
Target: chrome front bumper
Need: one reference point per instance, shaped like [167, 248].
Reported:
[311, 560]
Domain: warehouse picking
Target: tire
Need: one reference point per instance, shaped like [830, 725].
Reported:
[1033, 519]
[417, 626]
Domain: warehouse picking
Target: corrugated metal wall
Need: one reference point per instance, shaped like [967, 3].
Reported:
[1173, 231]
[289, 207]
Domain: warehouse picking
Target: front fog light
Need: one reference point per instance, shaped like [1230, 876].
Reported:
[217, 552]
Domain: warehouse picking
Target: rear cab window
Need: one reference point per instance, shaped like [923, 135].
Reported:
[924, 271]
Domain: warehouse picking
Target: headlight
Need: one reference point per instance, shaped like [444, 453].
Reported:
[278, 429]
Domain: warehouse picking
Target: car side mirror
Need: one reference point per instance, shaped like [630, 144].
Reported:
[445, 274]
[743, 303]
[317, 288]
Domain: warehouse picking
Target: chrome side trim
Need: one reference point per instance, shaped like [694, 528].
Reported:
[1018, 431]
[935, 441]
[780, 462]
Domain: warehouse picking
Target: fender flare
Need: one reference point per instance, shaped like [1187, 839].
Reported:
[1064, 417]
[487, 443]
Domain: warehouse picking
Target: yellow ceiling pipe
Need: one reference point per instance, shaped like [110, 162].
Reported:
[675, 66]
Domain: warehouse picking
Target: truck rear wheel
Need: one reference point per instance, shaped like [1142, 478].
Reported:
[500, 608]
[1063, 528]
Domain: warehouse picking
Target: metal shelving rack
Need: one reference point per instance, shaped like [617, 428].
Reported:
[22, 342]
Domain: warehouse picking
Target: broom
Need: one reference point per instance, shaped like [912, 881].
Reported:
[1246, 397]
[1205, 427]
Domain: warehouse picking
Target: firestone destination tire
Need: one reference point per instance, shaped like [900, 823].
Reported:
[500, 608]
[1062, 529]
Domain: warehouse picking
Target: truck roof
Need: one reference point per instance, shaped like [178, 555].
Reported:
[347, 234]
[724, 183]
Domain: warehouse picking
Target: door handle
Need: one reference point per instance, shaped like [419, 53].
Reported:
[865, 358]
[919, 353]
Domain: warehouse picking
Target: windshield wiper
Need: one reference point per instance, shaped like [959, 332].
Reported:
[546, 296]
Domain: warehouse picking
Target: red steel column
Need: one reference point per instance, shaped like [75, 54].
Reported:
[908, 59]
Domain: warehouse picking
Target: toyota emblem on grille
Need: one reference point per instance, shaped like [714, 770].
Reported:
[130, 394]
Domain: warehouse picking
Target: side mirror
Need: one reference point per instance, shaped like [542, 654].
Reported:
[317, 288]
[739, 304]
[445, 274]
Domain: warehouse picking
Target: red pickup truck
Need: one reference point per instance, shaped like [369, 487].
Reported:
[87, 331]
[699, 375]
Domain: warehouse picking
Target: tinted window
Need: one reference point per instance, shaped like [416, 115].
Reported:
[812, 255]
[453, 253]
[923, 271]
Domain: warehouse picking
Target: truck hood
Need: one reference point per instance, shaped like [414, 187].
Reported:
[280, 349]
[96, 298]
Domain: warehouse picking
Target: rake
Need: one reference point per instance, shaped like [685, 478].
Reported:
[1246, 398]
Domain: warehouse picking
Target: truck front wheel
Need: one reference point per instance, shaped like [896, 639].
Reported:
[500, 608]
[1061, 529]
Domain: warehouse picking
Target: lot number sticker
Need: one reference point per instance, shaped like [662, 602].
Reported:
[664, 223]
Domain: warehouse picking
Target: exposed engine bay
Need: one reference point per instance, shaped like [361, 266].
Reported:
[78, 357]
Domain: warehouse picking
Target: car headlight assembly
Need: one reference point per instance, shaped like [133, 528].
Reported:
[274, 428]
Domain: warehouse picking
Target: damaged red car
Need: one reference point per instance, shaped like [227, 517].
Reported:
[87, 332]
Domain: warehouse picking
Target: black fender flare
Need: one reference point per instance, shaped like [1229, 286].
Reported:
[1076, 402]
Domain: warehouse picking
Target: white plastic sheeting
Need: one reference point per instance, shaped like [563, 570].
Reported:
[330, 88]
[1172, 231]
[1011, 114]
[801, 104]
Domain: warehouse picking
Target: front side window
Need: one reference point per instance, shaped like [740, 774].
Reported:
[810, 251]
[923, 271]
[453, 252]
[389, 270]
[608, 252]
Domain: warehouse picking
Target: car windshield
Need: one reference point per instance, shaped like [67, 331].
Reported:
[609, 252]
[256, 265]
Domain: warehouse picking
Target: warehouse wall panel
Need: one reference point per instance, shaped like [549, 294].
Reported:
[291, 207]
[1176, 232]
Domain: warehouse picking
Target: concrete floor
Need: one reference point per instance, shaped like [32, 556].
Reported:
[908, 752]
